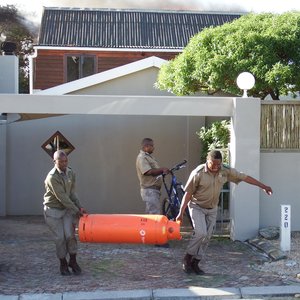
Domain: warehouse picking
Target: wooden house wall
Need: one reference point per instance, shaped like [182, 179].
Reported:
[49, 64]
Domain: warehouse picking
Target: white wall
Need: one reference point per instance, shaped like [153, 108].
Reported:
[281, 171]
[138, 83]
[107, 134]
[104, 158]
[9, 74]
[3, 174]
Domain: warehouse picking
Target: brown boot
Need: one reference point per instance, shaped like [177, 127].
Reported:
[187, 263]
[195, 266]
[73, 264]
[64, 270]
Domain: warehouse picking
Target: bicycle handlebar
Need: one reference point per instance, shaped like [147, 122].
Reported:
[178, 166]
[175, 168]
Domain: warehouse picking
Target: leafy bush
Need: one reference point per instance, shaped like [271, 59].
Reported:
[216, 136]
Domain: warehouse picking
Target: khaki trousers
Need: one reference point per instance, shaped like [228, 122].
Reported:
[204, 221]
[152, 199]
[62, 225]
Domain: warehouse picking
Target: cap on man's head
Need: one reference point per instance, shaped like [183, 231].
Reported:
[59, 154]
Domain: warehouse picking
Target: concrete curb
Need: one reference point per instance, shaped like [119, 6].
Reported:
[109, 295]
[166, 294]
[196, 292]
[8, 297]
[274, 291]
[45, 296]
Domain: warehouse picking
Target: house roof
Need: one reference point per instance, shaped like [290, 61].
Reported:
[116, 28]
[98, 78]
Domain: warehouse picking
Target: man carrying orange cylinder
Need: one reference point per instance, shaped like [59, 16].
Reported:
[202, 193]
[62, 209]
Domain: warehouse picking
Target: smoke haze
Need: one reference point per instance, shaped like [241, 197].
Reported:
[34, 10]
[152, 4]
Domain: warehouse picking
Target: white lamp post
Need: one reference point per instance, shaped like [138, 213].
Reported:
[245, 81]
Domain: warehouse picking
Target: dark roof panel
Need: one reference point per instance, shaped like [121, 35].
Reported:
[109, 28]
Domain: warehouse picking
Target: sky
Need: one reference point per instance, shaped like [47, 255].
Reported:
[33, 9]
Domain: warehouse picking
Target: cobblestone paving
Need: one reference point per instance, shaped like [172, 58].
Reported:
[28, 263]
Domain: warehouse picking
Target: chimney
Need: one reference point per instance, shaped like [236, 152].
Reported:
[8, 48]
[9, 69]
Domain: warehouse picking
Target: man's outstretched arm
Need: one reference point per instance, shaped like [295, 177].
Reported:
[253, 181]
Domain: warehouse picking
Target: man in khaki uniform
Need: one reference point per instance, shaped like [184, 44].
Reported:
[202, 193]
[62, 209]
[147, 171]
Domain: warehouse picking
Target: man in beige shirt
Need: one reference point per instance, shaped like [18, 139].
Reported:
[62, 209]
[202, 193]
[148, 170]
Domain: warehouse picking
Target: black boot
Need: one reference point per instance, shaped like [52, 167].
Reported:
[64, 270]
[195, 266]
[73, 264]
[187, 263]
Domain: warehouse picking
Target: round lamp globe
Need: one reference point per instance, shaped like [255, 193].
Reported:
[245, 81]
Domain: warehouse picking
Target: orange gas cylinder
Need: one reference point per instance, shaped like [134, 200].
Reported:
[123, 228]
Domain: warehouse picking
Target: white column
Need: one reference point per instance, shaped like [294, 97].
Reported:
[9, 75]
[245, 157]
[3, 129]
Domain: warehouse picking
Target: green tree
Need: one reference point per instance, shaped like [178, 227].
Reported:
[215, 136]
[17, 29]
[266, 45]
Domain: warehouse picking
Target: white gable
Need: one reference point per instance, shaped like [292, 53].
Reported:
[103, 77]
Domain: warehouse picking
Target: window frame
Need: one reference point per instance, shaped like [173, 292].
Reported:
[81, 57]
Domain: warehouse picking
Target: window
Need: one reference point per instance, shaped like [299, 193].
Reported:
[79, 66]
[57, 142]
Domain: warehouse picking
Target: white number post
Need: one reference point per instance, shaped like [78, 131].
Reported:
[285, 229]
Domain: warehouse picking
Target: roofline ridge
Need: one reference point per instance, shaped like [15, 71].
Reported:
[145, 10]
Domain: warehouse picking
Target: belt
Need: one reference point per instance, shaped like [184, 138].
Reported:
[152, 188]
[204, 207]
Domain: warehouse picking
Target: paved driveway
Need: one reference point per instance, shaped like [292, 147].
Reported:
[28, 263]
